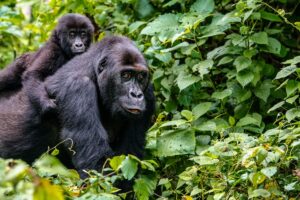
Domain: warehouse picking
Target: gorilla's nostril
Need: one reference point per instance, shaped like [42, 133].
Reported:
[78, 45]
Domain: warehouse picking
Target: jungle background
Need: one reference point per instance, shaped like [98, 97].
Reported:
[226, 76]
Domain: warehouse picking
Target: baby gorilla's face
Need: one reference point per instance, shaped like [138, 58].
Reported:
[78, 40]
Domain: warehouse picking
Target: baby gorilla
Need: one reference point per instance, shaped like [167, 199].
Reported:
[72, 36]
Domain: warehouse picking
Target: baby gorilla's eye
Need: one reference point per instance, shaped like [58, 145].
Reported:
[83, 34]
[126, 75]
[72, 34]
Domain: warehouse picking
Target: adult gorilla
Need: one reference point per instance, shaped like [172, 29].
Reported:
[105, 104]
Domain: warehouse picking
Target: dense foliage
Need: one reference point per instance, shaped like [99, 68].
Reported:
[226, 76]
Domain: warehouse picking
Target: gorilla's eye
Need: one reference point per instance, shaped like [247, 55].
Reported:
[140, 77]
[83, 34]
[72, 34]
[126, 75]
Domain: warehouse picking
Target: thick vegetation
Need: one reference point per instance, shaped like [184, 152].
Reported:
[226, 75]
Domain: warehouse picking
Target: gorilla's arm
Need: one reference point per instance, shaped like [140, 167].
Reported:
[76, 98]
[10, 77]
[43, 66]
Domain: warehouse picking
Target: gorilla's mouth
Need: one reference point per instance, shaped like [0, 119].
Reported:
[134, 111]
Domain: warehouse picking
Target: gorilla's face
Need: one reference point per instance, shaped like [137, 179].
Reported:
[78, 40]
[75, 34]
[123, 78]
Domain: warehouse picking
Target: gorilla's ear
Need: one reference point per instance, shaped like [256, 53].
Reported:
[102, 64]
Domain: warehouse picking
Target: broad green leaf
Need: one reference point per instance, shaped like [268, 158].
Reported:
[201, 109]
[286, 71]
[203, 7]
[203, 67]
[129, 167]
[221, 95]
[254, 119]
[263, 91]
[245, 77]
[291, 87]
[134, 26]
[276, 106]
[219, 196]
[270, 16]
[269, 171]
[46, 191]
[115, 162]
[292, 99]
[293, 61]
[241, 63]
[187, 114]
[225, 60]
[206, 126]
[291, 186]
[178, 46]
[165, 27]
[176, 143]
[260, 38]
[184, 81]
[292, 114]
[259, 193]
[257, 178]
[274, 46]
[204, 160]
[144, 187]
[49, 165]
[177, 123]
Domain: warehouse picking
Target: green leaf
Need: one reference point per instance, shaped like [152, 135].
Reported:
[254, 119]
[115, 162]
[263, 91]
[203, 67]
[204, 160]
[176, 143]
[144, 187]
[241, 63]
[222, 95]
[165, 27]
[201, 109]
[203, 6]
[292, 99]
[260, 38]
[286, 71]
[129, 167]
[245, 77]
[187, 114]
[293, 61]
[270, 16]
[177, 123]
[178, 46]
[257, 178]
[276, 106]
[206, 126]
[269, 171]
[274, 46]
[48, 165]
[46, 191]
[225, 60]
[291, 87]
[184, 81]
[134, 26]
[292, 114]
[259, 193]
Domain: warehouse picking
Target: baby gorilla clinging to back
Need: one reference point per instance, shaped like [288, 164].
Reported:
[72, 36]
